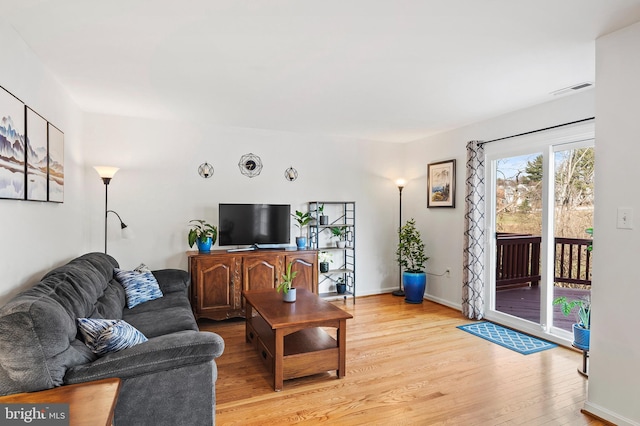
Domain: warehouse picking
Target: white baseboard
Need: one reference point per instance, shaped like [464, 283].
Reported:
[456, 306]
[608, 415]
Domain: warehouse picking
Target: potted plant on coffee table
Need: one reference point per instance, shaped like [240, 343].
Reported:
[286, 284]
[302, 220]
[581, 329]
[203, 234]
[411, 257]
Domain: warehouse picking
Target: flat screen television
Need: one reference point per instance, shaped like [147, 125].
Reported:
[248, 224]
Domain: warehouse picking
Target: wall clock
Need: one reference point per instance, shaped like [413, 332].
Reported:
[250, 165]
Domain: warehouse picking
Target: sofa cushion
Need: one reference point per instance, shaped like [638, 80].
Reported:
[169, 314]
[139, 286]
[104, 336]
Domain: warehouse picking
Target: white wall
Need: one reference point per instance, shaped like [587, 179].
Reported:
[158, 190]
[443, 228]
[37, 236]
[614, 379]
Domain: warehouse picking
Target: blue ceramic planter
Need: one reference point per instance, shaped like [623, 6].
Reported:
[414, 286]
[204, 247]
[581, 337]
[301, 243]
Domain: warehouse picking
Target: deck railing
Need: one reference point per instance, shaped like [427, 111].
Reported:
[518, 260]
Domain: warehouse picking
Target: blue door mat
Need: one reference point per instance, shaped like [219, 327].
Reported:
[511, 339]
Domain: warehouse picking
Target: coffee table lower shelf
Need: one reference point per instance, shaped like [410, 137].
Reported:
[307, 351]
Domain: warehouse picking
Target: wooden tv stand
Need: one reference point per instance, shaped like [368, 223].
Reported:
[219, 277]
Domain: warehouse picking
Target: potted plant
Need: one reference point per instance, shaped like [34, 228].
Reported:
[340, 232]
[324, 219]
[286, 284]
[410, 255]
[341, 286]
[324, 258]
[302, 220]
[581, 329]
[202, 234]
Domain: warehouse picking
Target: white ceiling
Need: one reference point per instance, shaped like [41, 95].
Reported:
[386, 70]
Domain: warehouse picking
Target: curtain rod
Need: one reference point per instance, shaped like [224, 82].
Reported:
[539, 130]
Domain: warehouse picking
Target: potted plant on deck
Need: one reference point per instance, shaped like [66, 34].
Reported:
[202, 234]
[302, 220]
[286, 284]
[581, 329]
[411, 257]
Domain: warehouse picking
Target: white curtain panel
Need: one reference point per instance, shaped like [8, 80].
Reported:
[474, 233]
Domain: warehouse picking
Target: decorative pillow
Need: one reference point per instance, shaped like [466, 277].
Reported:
[142, 268]
[104, 336]
[139, 287]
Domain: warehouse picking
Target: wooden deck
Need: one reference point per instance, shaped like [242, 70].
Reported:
[525, 303]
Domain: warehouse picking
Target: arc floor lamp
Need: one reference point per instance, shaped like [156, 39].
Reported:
[399, 292]
[107, 173]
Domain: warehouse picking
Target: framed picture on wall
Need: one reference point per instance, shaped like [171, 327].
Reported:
[441, 184]
[36, 156]
[56, 164]
[12, 144]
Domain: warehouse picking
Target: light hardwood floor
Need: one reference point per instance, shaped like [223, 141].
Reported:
[406, 365]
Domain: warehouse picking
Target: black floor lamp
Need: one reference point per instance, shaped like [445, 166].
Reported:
[107, 173]
[399, 291]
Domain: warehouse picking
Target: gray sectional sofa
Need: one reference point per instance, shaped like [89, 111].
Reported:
[167, 380]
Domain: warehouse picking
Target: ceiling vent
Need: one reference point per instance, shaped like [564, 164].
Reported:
[572, 89]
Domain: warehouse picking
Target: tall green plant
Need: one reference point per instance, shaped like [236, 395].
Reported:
[410, 251]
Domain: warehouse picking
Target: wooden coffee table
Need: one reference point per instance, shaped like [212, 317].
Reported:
[289, 338]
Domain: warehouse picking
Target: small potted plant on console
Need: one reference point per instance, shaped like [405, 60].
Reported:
[202, 234]
[286, 284]
[302, 220]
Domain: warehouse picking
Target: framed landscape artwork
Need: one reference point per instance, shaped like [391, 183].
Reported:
[36, 156]
[12, 147]
[56, 164]
[441, 184]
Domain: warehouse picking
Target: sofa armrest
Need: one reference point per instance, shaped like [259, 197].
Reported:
[172, 280]
[157, 354]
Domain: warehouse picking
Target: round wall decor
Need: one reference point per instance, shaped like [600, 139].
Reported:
[250, 165]
[205, 170]
[291, 174]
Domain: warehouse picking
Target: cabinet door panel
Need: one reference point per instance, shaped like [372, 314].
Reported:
[260, 272]
[216, 286]
[306, 266]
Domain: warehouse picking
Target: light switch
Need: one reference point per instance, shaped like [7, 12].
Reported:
[625, 218]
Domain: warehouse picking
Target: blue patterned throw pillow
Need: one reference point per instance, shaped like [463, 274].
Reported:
[139, 286]
[104, 336]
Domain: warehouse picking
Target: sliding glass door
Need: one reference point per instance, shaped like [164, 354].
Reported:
[539, 204]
